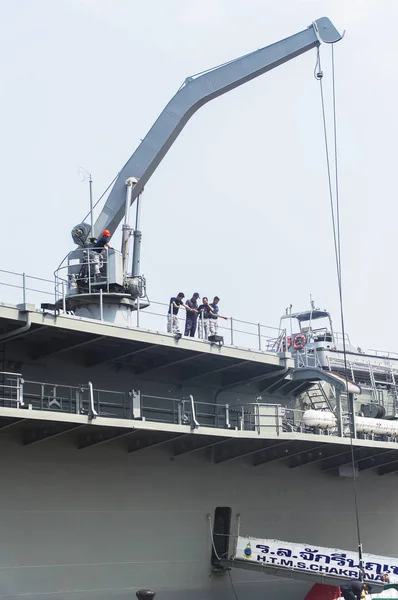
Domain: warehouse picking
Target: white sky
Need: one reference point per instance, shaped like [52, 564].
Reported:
[239, 207]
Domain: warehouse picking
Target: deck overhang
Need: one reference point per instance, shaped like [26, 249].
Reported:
[38, 336]
[292, 450]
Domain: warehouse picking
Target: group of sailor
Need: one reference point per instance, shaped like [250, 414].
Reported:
[358, 589]
[203, 317]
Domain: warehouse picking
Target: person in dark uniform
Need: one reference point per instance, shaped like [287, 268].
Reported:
[103, 241]
[214, 316]
[204, 311]
[97, 248]
[192, 315]
[175, 303]
[352, 590]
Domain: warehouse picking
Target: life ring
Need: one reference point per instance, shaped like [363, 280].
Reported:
[299, 341]
[287, 342]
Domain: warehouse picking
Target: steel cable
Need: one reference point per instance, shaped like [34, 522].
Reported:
[335, 214]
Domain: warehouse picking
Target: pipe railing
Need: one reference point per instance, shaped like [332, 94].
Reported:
[262, 418]
[236, 332]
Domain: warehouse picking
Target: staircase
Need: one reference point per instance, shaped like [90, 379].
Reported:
[318, 398]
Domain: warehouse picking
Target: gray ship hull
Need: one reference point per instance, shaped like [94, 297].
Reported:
[104, 523]
[102, 498]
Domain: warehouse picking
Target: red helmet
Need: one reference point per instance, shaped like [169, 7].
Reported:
[106, 233]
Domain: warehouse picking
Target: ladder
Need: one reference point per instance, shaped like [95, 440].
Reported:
[394, 390]
[318, 398]
[373, 383]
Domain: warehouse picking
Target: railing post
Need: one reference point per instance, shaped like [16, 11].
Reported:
[24, 288]
[20, 392]
[227, 423]
[107, 270]
[258, 418]
[259, 335]
[351, 411]
[242, 419]
[138, 311]
[63, 297]
[232, 331]
[89, 265]
[92, 413]
[277, 420]
[179, 412]
[194, 422]
[101, 306]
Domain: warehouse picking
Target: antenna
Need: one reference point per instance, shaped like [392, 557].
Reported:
[83, 173]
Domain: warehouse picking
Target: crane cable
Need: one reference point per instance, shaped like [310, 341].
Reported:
[335, 214]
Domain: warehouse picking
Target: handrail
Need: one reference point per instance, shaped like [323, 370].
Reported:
[238, 332]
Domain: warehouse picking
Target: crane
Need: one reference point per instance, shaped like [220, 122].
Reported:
[129, 184]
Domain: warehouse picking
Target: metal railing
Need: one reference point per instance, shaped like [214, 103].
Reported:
[307, 357]
[11, 389]
[262, 418]
[17, 392]
[382, 353]
[19, 288]
[84, 269]
[23, 288]
[236, 332]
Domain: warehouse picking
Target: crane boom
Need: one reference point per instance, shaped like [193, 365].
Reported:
[194, 93]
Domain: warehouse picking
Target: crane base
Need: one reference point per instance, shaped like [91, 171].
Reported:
[110, 307]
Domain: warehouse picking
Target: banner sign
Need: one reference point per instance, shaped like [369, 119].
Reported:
[325, 561]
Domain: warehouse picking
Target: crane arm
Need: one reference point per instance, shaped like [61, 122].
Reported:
[194, 93]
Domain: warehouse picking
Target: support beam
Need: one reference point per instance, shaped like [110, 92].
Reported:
[278, 386]
[279, 451]
[351, 411]
[339, 412]
[195, 443]
[232, 449]
[40, 434]
[171, 363]
[281, 370]
[7, 423]
[360, 453]
[94, 362]
[384, 458]
[297, 388]
[58, 348]
[314, 455]
[95, 438]
[387, 469]
[235, 364]
[149, 439]
[269, 382]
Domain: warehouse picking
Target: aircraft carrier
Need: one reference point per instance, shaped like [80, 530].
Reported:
[136, 458]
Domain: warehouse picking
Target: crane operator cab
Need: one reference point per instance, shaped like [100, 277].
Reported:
[96, 266]
[92, 264]
[94, 280]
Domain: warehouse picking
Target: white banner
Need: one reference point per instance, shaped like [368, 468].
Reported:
[317, 559]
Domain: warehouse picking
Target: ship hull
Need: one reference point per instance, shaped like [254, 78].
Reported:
[100, 522]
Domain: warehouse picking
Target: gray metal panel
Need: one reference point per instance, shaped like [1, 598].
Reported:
[194, 94]
[101, 523]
